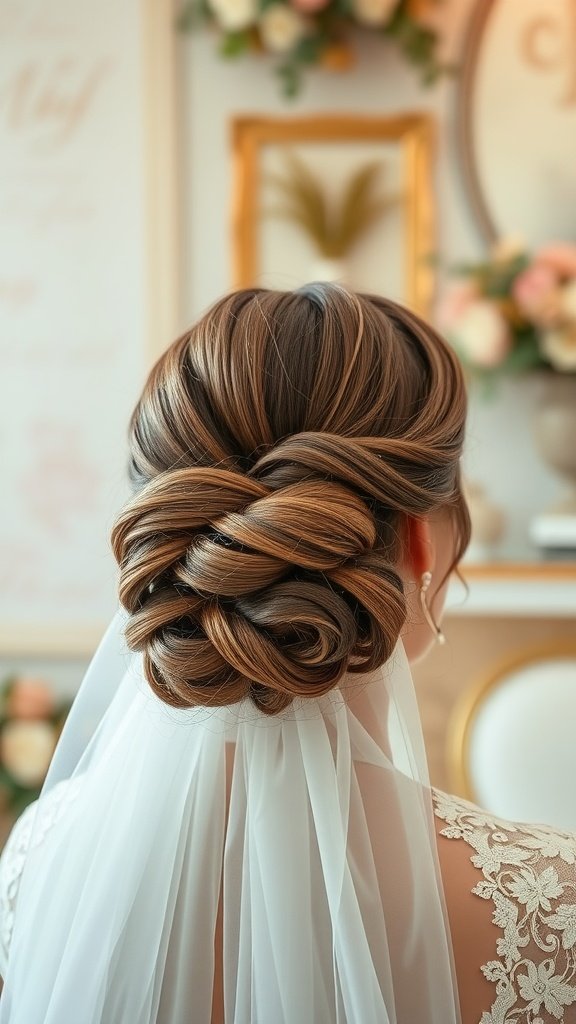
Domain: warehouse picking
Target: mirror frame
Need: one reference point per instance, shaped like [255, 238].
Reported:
[461, 721]
[464, 121]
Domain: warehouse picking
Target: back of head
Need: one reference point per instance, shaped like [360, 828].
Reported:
[275, 450]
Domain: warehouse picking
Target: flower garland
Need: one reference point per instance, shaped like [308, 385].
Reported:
[31, 720]
[304, 33]
[515, 311]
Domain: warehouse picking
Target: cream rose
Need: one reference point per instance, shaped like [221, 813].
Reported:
[508, 248]
[559, 347]
[482, 333]
[373, 12]
[26, 749]
[281, 27]
[234, 15]
[568, 300]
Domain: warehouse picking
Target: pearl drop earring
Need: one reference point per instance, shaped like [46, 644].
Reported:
[426, 581]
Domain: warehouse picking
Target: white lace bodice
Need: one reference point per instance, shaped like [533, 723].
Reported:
[527, 872]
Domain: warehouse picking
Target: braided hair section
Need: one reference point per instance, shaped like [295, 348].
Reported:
[247, 589]
[274, 453]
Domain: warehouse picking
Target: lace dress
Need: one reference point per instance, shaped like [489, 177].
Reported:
[526, 872]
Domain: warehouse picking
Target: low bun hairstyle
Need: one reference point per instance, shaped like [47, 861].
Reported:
[275, 449]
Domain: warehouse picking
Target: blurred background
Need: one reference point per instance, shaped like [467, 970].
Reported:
[156, 154]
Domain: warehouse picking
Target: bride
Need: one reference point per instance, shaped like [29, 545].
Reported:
[237, 825]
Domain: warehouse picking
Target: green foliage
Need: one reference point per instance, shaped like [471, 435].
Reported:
[193, 14]
[334, 232]
[494, 281]
[332, 25]
[233, 44]
[526, 354]
[306, 52]
[15, 795]
[417, 42]
[289, 74]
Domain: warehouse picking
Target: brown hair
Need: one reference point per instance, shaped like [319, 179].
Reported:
[275, 450]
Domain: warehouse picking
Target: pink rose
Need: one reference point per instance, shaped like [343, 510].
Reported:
[560, 257]
[30, 698]
[483, 334]
[309, 6]
[536, 292]
[454, 303]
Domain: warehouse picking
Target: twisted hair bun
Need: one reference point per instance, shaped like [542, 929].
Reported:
[273, 451]
[267, 598]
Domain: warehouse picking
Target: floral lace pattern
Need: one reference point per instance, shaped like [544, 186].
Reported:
[529, 875]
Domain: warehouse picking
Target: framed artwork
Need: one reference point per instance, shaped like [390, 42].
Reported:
[87, 296]
[517, 118]
[342, 171]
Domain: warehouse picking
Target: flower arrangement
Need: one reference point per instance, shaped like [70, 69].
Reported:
[333, 229]
[30, 723]
[516, 311]
[303, 33]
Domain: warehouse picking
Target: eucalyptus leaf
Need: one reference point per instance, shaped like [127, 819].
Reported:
[289, 74]
[234, 43]
[525, 355]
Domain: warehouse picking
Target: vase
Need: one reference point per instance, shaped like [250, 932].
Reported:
[487, 520]
[555, 434]
[327, 269]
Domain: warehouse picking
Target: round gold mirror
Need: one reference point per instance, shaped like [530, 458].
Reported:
[517, 118]
[512, 739]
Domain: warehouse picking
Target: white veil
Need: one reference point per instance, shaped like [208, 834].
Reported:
[332, 910]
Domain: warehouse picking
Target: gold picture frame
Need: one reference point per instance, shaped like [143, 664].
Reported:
[411, 133]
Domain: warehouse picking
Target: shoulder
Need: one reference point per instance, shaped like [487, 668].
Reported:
[28, 831]
[511, 897]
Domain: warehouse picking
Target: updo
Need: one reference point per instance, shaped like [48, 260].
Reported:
[275, 451]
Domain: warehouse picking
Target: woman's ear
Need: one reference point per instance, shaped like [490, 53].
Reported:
[418, 552]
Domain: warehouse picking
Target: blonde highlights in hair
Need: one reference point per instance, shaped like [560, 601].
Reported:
[275, 449]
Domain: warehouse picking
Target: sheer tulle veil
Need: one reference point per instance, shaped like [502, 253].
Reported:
[317, 822]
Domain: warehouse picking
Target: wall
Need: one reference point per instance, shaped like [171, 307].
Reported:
[211, 91]
[499, 450]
